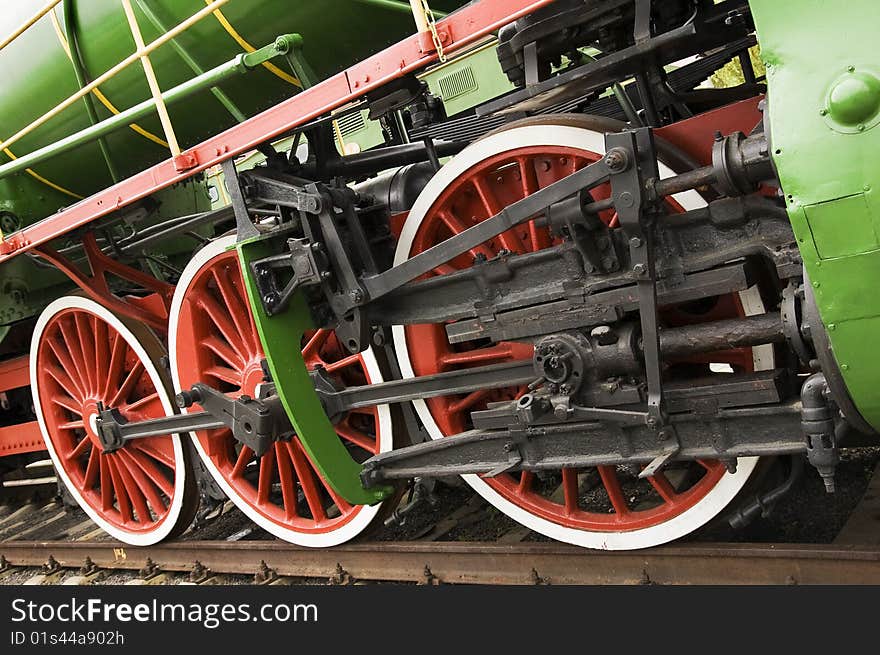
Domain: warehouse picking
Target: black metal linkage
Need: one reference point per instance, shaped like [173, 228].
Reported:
[509, 374]
[627, 190]
[244, 226]
[379, 285]
[773, 429]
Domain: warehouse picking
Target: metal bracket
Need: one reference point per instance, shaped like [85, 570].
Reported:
[303, 260]
[244, 226]
[255, 423]
[627, 184]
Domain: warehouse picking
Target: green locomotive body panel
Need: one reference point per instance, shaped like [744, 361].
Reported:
[37, 74]
[824, 108]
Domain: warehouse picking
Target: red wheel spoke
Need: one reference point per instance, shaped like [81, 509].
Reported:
[341, 504]
[72, 425]
[469, 400]
[356, 437]
[160, 449]
[84, 330]
[570, 489]
[663, 487]
[106, 482]
[456, 227]
[123, 502]
[224, 352]
[74, 385]
[244, 458]
[444, 269]
[525, 482]
[528, 176]
[131, 379]
[102, 349]
[117, 363]
[612, 486]
[237, 308]
[63, 380]
[481, 356]
[315, 343]
[267, 475]
[132, 489]
[285, 476]
[71, 343]
[224, 324]
[68, 403]
[225, 374]
[150, 471]
[345, 362]
[508, 239]
[146, 484]
[306, 478]
[81, 449]
[150, 405]
[93, 470]
[539, 236]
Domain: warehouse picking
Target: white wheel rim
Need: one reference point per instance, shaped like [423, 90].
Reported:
[180, 464]
[691, 519]
[365, 513]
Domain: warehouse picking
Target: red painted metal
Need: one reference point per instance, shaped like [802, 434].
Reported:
[20, 439]
[696, 135]
[15, 373]
[217, 341]
[23, 437]
[463, 27]
[84, 361]
[96, 287]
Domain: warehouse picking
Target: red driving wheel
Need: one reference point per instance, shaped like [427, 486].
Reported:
[214, 340]
[84, 357]
[607, 506]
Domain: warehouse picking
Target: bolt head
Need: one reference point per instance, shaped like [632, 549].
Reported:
[625, 199]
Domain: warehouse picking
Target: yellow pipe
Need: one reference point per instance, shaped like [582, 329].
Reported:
[125, 63]
[155, 89]
[33, 19]
[240, 40]
[420, 16]
[104, 100]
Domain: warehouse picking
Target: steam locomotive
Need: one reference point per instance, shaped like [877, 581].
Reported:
[607, 260]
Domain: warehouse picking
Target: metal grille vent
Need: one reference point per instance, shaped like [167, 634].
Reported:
[458, 83]
[351, 123]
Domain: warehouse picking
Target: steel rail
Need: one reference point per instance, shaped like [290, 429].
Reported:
[483, 563]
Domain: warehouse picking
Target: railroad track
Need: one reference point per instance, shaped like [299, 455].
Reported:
[41, 543]
[460, 563]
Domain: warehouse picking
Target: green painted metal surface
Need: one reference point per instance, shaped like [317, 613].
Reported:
[824, 107]
[241, 64]
[468, 81]
[36, 74]
[280, 336]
